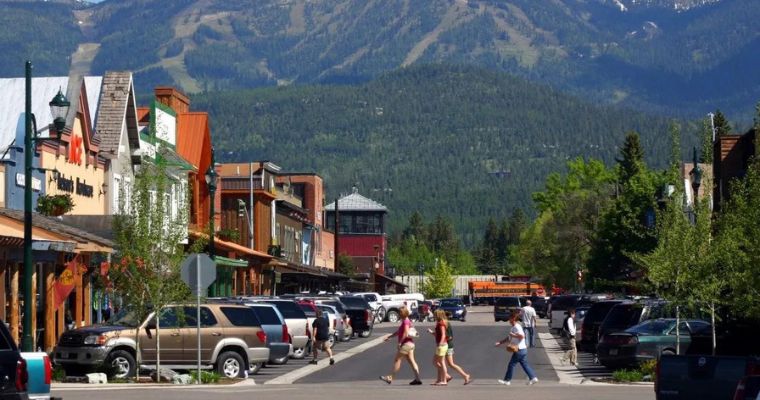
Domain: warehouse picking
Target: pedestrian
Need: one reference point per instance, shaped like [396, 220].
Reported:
[450, 355]
[441, 347]
[569, 329]
[528, 314]
[321, 336]
[519, 350]
[405, 334]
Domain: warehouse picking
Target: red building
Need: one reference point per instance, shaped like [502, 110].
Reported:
[361, 235]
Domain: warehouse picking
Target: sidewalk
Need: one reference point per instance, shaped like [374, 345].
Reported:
[133, 386]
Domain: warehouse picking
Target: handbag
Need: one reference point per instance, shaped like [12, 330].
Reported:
[412, 332]
[512, 348]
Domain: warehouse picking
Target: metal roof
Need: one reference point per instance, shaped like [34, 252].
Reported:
[13, 100]
[356, 202]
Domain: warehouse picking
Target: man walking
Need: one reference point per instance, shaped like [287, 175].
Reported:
[569, 328]
[321, 332]
[529, 323]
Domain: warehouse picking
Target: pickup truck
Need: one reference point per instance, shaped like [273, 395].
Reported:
[24, 375]
[701, 377]
[40, 371]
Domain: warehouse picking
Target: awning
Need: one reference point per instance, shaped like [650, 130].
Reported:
[230, 262]
[232, 246]
[49, 234]
[387, 279]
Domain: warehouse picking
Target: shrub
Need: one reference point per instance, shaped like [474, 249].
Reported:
[206, 376]
[58, 374]
[627, 375]
[648, 368]
[55, 205]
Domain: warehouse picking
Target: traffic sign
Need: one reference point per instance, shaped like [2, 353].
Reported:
[195, 279]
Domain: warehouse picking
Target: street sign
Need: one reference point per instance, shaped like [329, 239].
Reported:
[198, 280]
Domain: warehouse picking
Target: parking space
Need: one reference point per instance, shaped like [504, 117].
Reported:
[587, 366]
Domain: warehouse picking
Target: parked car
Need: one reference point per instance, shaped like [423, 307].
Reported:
[627, 314]
[648, 341]
[332, 315]
[393, 303]
[687, 377]
[360, 313]
[340, 309]
[13, 368]
[278, 337]
[580, 316]
[454, 308]
[748, 388]
[504, 307]
[231, 336]
[559, 308]
[539, 303]
[297, 322]
[589, 328]
[375, 301]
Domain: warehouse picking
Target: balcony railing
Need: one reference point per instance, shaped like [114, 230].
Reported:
[244, 184]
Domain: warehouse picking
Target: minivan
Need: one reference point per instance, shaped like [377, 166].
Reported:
[278, 338]
[628, 313]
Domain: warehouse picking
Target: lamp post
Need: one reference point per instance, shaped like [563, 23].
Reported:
[421, 272]
[59, 107]
[211, 177]
[696, 180]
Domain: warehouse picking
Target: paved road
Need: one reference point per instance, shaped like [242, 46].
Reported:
[474, 351]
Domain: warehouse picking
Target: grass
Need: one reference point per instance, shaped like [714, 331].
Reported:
[206, 376]
[627, 375]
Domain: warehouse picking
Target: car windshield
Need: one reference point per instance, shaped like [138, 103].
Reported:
[354, 302]
[451, 303]
[599, 311]
[308, 310]
[651, 327]
[124, 317]
[563, 303]
[508, 301]
[337, 306]
[623, 315]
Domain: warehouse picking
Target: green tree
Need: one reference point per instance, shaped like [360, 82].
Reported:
[674, 163]
[346, 265]
[631, 159]
[439, 282]
[722, 126]
[488, 253]
[415, 230]
[706, 136]
[146, 276]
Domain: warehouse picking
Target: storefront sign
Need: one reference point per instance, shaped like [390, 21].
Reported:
[70, 186]
[75, 150]
[21, 181]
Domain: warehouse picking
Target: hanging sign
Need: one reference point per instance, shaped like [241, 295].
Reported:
[65, 282]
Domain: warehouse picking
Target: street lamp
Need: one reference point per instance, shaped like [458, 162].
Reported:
[59, 108]
[696, 180]
[211, 177]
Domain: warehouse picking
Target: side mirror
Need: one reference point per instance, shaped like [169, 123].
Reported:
[151, 325]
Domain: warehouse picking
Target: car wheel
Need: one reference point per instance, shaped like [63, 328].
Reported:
[380, 315]
[255, 368]
[298, 353]
[668, 352]
[230, 365]
[330, 341]
[366, 334]
[393, 316]
[122, 364]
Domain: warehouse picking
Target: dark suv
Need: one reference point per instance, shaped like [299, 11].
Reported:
[628, 313]
[12, 368]
[539, 303]
[503, 307]
[591, 323]
[360, 313]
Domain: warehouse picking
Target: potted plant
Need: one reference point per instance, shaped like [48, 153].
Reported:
[228, 234]
[55, 205]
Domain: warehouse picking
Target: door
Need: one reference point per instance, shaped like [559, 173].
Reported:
[211, 335]
[171, 345]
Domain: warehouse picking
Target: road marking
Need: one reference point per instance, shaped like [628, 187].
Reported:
[293, 376]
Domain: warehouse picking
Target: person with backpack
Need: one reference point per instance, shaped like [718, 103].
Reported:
[450, 354]
[568, 328]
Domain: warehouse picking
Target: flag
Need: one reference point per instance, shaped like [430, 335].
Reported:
[65, 282]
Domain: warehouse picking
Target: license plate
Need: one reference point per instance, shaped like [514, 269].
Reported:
[64, 355]
[613, 352]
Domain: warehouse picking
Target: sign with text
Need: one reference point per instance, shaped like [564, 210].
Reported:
[21, 181]
[66, 282]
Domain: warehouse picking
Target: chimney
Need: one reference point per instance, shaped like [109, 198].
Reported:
[173, 98]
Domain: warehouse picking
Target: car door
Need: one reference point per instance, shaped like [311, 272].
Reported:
[170, 342]
[212, 333]
[9, 358]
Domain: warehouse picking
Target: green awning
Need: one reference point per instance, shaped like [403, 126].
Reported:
[230, 262]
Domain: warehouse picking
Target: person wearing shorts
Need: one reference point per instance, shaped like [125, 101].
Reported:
[441, 347]
[450, 356]
[405, 349]
[321, 332]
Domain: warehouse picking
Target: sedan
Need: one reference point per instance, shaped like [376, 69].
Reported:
[454, 307]
[648, 340]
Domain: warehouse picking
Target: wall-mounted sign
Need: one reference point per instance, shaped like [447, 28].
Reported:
[164, 123]
[75, 150]
[70, 186]
[21, 181]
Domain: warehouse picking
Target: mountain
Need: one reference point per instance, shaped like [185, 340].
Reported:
[682, 57]
[462, 142]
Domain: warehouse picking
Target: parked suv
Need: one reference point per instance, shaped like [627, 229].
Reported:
[278, 337]
[627, 314]
[503, 307]
[539, 303]
[360, 313]
[231, 340]
[589, 336]
[297, 322]
[12, 368]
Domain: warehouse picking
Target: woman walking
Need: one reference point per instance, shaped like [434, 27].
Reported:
[516, 340]
[405, 350]
[441, 347]
[450, 354]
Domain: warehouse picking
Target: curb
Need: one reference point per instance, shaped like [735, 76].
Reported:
[61, 387]
[293, 376]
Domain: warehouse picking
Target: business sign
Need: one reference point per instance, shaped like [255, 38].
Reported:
[66, 282]
[69, 185]
[164, 123]
[21, 181]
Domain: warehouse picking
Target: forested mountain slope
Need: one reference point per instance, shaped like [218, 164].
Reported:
[462, 142]
[667, 56]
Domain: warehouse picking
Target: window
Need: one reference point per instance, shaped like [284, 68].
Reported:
[240, 316]
[117, 189]
[288, 309]
[207, 317]
[267, 315]
[169, 318]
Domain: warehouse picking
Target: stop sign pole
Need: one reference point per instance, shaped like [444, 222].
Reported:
[198, 310]
[200, 279]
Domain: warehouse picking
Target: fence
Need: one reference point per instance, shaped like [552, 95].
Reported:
[460, 282]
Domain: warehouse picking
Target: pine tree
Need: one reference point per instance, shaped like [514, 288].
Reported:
[722, 127]
[488, 261]
[706, 135]
[415, 230]
[631, 157]
[675, 151]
